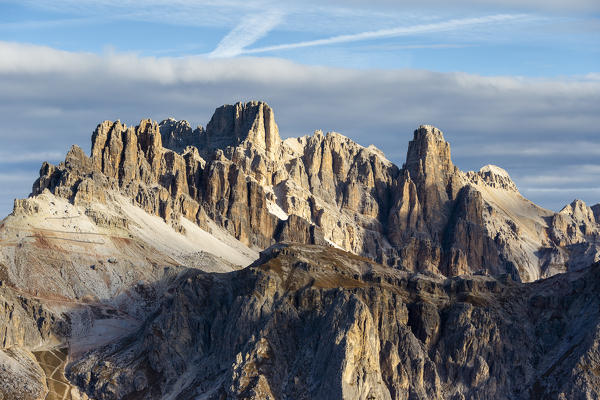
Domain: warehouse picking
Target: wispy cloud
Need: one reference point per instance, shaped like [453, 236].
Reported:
[251, 29]
[450, 25]
[205, 13]
[536, 149]
[574, 191]
[19, 157]
[16, 177]
[46, 24]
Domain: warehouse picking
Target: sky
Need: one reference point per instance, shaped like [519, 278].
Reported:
[511, 83]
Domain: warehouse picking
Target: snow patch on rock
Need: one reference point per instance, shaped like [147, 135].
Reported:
[494, 169]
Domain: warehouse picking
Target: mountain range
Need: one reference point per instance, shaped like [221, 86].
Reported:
[224, 262]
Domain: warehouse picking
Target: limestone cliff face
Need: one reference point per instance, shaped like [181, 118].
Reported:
[575, 230]
[311, 322]
[251, 125]
[450, 222]
[424, 203]
[429, 167]
[24, 322]
[425, 216]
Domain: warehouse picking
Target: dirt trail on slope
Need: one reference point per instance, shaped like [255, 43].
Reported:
[53, 363]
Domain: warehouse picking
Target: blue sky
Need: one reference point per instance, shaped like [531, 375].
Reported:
[509, 82]
[494, 39]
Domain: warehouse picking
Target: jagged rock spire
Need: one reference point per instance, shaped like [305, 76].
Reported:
[428, 156]
[252, 122]
[430, 182]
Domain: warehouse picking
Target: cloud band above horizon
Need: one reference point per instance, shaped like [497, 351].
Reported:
[52, 99]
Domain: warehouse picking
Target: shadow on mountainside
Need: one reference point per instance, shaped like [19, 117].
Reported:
[315, 322]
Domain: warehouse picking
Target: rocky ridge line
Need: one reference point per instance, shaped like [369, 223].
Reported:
[427, 215]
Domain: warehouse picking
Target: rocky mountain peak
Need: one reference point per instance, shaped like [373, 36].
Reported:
[429, 130]
[428, 156]
[493, 176]
[575, 225]
[122, 257]
[177, 135]
[494, 170]
[579, 211]
[252, 123]
[430, 183]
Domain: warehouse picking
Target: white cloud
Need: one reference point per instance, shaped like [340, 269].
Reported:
[563, 176]
[571, 190]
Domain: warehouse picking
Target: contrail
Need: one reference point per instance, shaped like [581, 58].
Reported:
[251, 29]
[400, 31]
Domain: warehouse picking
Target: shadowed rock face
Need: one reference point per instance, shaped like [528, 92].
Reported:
[311, 322]
[25, 323]
[177, 135]
[425, 216]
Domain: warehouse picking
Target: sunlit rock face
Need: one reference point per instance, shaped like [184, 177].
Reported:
[425, 216]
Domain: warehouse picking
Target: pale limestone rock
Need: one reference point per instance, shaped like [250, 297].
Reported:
[493, 176]
[251, 124]
[575, 223]
[21, 376]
